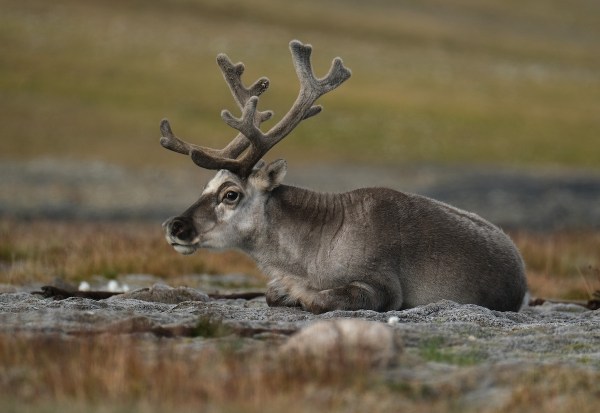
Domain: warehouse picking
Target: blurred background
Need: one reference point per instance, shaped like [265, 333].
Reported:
[493, 106]
[450, 82]
[439, 89]
[467, 90]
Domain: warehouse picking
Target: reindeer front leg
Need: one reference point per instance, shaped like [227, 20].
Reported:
[354, 296]
[279, 293]
[294, 291]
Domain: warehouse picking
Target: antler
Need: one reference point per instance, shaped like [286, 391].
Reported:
[233, 76]
[260, 143]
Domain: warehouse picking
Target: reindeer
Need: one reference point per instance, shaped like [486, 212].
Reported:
[373, 248]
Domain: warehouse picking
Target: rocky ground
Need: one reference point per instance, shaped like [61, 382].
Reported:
[476, 352]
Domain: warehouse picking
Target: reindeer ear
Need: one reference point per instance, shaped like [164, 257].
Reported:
[270, 177]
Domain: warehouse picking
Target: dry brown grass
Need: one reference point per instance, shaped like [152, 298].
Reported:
[164, 374]
[554, 389]
[42, 250]
[559, 265]
[118, 373]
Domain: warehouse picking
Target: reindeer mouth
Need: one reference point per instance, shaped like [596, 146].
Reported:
[185, 249]
[181, 235]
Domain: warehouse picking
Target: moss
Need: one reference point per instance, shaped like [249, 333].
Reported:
[210, 327]
[434, 350]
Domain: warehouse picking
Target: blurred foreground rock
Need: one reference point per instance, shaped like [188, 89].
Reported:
[345, 341]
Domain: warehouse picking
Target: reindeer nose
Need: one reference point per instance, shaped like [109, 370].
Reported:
[181, 228]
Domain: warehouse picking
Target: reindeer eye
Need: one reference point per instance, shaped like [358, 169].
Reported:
[231, 196]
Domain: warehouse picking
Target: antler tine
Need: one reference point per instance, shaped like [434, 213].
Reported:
[311, 89]
[245, 123]
[233, 76]
[221, 158]
[169, 141]
[232, 73]
[248, 128]
[336, 76]
[252, 135]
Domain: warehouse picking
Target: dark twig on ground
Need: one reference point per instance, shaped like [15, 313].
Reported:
[591, 304]
[56, 293]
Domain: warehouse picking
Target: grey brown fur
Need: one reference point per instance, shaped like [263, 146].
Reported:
[371, 248]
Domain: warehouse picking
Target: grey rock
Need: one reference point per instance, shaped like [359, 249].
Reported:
[160, 293]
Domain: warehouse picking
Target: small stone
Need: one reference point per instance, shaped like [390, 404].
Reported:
[160, 293]
[346, 340]
[393, 320]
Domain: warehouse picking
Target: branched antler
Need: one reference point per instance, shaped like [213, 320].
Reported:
[251, 144]
[233, 76]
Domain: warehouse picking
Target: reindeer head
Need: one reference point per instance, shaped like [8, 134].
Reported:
[230, 210]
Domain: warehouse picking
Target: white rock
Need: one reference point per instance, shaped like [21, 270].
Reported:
[346, 340]
[113, 286]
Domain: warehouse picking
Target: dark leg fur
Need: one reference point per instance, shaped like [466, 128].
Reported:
[354, 296]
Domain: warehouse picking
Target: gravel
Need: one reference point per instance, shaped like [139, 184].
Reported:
[548, 333]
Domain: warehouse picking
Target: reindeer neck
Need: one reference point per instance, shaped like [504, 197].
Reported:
[312, 207]
[299, 222]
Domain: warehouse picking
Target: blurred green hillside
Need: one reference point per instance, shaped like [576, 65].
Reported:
[461, 81]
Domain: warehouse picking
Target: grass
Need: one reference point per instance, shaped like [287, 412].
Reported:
[112, 373]
[436, 349]
[447, 82]
[561, 265]
[138, 374]
[41, 251]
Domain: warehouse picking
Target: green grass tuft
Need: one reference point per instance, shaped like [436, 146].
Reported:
[436, 350]
[209, 327]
